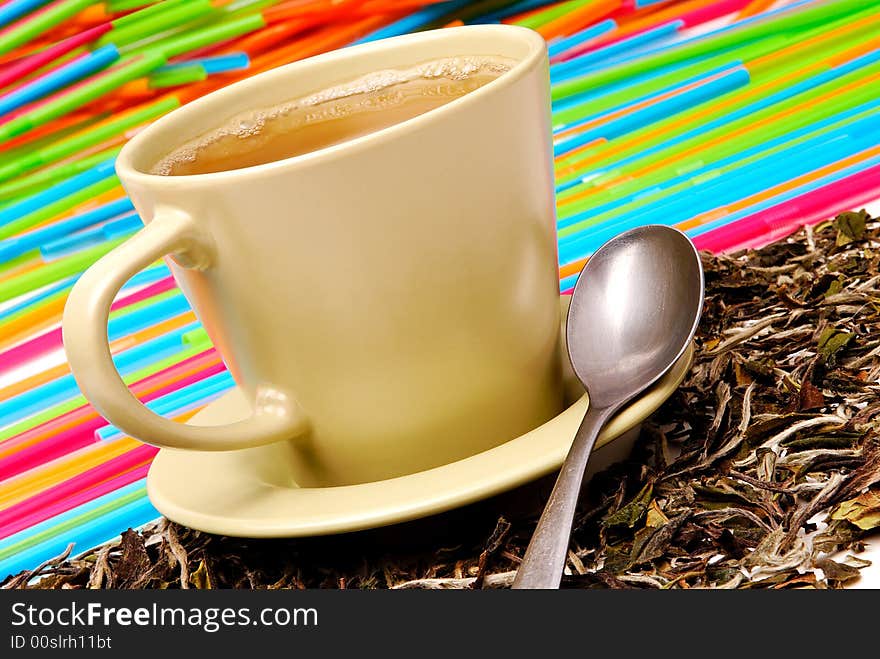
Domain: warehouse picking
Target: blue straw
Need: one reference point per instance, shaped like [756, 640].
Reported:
[723, 30]
[414, 21]
[787, 196]
[826, 147]
[717, 191]
[737, 78]
[711, 192]
[73, 513]
[217, 64]
[585, 118]
[179, 401]
[147, 316]
[595, 59]
[661, 218]
[14, 9]
[839, 124]
[146, 277]
[65, 387]
[87, 535]
[598, 92]
[804, 86]
[58, 191]
[123, 226]
[61, 77]
[14, 247]
[582, 37]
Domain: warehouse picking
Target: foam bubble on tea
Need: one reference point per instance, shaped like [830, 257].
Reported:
[332, 115]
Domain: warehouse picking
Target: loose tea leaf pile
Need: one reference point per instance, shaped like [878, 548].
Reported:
[762, 471]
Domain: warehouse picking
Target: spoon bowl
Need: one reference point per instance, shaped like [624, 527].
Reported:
[634, 310]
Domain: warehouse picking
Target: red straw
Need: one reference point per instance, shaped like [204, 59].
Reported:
[785, 218]
[76, 428]
[17, 70]
[51, 339]
[76, 491]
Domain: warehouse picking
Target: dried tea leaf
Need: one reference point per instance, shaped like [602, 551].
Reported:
[630, 514]
[201, 578]
[809, 397]
[834, 287]
[863, 511]
[745, 452]
[837, 571]
[134, 561]
[832, 341]
[656, 517]
[652, 542]
[850, 226]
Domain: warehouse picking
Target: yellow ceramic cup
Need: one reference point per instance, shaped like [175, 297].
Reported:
[389, 304]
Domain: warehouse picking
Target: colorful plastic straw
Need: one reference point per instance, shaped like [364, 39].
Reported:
[736, 120]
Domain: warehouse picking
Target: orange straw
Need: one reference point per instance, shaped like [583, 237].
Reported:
[31, 482]
[764, 195]
[116, 346]
[640, 21]
[724, 138]
[754, 92]
[754, 7]
[579, 18]
[86, 413]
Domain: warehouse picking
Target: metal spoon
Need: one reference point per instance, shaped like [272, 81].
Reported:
[634, 311]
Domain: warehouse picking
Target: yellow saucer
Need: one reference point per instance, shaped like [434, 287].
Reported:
[248, 494]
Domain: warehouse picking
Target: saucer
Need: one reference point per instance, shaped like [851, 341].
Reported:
[246, 493]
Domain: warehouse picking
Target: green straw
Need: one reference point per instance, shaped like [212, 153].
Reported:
[595, 105]
[30, 185]
[743, 141]
[36, 25]
[71, 524]
[651, 197]
[181, 75]
[143, 304]
[127, 70]
[87, 138]
[23, 259]
[24, 313]
[116, 6]
[68, 405]
[208, 34]
[23, 150]
[54, 271]
[779, 126]
[776, 72]
[155, 20]
[796, 20]
[56, 207]
[38, 305]
[550, 14]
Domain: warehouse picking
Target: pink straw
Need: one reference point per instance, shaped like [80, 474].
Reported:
[785, 218]
[711, 12]
[51, 340]
[688, 19]
[76, 491]
[69, 438]
[48, 72]
[9, 116]
[19, 69]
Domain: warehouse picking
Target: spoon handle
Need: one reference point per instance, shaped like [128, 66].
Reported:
[544, 561]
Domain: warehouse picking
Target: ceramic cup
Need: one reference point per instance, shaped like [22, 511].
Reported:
[388, 304]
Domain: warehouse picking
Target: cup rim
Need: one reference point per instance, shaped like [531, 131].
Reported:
[126, 168]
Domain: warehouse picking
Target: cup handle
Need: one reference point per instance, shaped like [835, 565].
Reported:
[276, 417]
